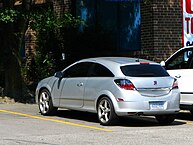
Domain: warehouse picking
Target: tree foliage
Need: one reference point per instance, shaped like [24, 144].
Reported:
[50, 40]
[46, 20]
[8, 15]
[46, 24]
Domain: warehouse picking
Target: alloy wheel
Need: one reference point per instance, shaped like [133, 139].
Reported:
[104, 111]
[44, 102]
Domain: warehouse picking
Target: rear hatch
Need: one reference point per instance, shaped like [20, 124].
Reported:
[150, 80]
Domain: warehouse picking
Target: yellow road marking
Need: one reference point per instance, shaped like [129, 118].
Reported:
[184, 121]
[54, 120]
[188, 122]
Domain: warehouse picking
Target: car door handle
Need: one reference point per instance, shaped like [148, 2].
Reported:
[80, 84]
[178, 76]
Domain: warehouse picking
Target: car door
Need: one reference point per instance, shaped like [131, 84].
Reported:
[180, 66]
[98, 78]
[72, 91]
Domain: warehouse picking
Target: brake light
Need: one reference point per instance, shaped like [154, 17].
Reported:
[175, 84]
[125, 84]
[144, 62]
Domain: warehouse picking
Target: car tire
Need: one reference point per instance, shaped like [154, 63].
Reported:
[165, 119]
[45, 103]
[106, 112]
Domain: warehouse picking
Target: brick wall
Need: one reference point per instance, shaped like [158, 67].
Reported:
[60, 6]
[30, 38]
[147, 33]
[161, 28]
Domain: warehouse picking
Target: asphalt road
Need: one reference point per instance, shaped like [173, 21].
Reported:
[21, 124]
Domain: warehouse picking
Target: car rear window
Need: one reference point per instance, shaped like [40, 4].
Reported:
[144, 70]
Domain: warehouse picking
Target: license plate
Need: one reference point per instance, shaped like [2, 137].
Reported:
[156, 105]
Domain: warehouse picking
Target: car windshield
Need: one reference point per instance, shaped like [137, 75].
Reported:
[144, 70]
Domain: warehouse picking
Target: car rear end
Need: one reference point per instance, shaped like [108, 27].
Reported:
[146, 89]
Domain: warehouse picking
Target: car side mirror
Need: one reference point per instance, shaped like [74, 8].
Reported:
[59, 74]
[162, 63]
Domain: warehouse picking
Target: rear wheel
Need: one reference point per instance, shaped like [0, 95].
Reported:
[45, 103]
[165, 119]
[106, 112]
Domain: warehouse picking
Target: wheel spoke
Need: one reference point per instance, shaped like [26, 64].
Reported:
[43, 96]
[108, 110]
[43, 107]
[106, 117]
[101, 107]
[105, 104]
[47, 98]
[41, 101]
[101, 116]
[46, 105]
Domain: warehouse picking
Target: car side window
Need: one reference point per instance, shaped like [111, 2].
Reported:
[78, 70]
[190, 59]
[182, 60]
[99, 70]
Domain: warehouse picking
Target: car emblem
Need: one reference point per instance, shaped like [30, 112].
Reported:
[155, 82]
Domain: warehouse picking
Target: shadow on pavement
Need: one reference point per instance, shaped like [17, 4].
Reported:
[131, 121]
[186, 116]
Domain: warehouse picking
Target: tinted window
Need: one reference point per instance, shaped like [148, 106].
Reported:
[144, 70]
[182, 60]
[78, 70]
[99, 70]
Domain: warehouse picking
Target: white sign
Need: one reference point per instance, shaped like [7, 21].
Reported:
[187, 37]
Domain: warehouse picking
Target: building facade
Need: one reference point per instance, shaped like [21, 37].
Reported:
[156, 25]
[150, 29]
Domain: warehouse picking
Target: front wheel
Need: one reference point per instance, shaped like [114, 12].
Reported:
[45, 103]
[106, 112]
[165, 119]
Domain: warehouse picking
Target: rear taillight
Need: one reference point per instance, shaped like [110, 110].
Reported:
[125, 84]
[175, 84]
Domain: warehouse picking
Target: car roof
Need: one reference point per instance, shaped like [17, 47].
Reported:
[181, 49]
[117, 60]
[114, 63]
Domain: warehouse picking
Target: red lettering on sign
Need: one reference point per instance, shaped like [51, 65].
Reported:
[187, 24]
[191, 25]
[188, 7]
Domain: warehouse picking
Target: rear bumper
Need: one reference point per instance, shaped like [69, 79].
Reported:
[144, 108]
[145, 112]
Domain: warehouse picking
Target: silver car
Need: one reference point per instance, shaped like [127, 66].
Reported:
[111, 87]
